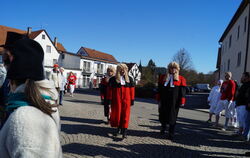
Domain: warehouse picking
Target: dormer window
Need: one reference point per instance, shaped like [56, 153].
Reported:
[43, 36]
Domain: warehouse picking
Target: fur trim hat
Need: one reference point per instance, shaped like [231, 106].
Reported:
[27, 58]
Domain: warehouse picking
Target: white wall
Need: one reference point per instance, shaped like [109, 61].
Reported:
[237, 45]
[91, 75]
[48, 57]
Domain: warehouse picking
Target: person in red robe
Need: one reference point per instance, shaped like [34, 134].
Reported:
[171, 96]
[121, 94]
[104, 89]
[71, 83]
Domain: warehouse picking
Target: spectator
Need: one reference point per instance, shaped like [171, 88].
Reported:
[247, 103]
[241, 102]
[32, 128]
[62, 86]
[56, 77]
[104, 89]
[226, 99]
[213, 99]
[2, 74]
[71, 83]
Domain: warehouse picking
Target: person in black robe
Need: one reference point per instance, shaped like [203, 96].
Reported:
[171, 92]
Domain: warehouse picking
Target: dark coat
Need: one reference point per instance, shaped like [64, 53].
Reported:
[170, 99]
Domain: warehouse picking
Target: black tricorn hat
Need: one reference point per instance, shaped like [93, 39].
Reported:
[27, 58]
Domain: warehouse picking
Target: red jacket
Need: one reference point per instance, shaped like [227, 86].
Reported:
[72, 80]
[121, 98]
[228, 90]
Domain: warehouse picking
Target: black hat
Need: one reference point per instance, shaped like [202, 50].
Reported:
[27, 58]
[11, 38]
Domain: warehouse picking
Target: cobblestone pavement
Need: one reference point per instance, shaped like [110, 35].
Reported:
[85, 134]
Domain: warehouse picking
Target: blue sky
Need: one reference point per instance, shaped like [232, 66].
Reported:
[131, 30]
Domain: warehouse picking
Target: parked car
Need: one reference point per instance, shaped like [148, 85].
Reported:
[202, 88]
[189, 89]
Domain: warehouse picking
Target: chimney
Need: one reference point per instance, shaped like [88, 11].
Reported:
[29, 30]
[55, 42]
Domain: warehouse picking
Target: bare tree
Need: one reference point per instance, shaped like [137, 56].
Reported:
[183, 58]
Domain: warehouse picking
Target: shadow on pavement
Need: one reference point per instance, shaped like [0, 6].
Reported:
[82, 120]
[83, 101]
[139, 150]
[188, 132]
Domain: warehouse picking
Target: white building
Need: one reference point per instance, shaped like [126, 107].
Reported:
[51, 54]
[88, 65]
[233, 54]
[134, 72]
[94, 65]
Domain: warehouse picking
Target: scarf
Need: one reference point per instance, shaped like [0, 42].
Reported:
[16, 100]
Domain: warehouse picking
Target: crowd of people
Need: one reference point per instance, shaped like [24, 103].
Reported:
[118, 93]
[236, 103]
[29, 116]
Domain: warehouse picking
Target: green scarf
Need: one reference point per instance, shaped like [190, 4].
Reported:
[16, 100]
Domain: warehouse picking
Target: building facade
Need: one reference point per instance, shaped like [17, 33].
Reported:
[88, 65]
[94, 65]
[233, 54]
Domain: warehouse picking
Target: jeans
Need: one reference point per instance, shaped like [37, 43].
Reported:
[61, 97]
[247, 125]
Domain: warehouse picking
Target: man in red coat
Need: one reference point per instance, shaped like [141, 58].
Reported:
[121, 94]
[104, 90]
[226, 99]
[171, 91]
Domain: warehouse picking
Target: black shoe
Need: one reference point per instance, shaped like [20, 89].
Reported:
[247, 154]
[118, 131]
[170, 137]
[124, 133]
[163, 129]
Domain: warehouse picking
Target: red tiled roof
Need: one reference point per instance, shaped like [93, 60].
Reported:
[34, 34]
[60, 47]
[100, 56]
[5, 29]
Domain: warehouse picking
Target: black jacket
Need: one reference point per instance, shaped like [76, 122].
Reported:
[243, 96]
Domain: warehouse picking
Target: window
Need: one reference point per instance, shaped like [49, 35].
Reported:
[228, 65]
[43, 36]
[63, 56]
[230, 41]
[1, 59]
[54, 61]
[239, 59]
[245, 24]
[86, 66]
[238, 34]
[48, 49]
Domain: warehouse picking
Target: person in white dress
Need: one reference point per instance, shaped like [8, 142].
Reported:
[213, 99]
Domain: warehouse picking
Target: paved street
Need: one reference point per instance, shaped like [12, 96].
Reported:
[85, 134]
